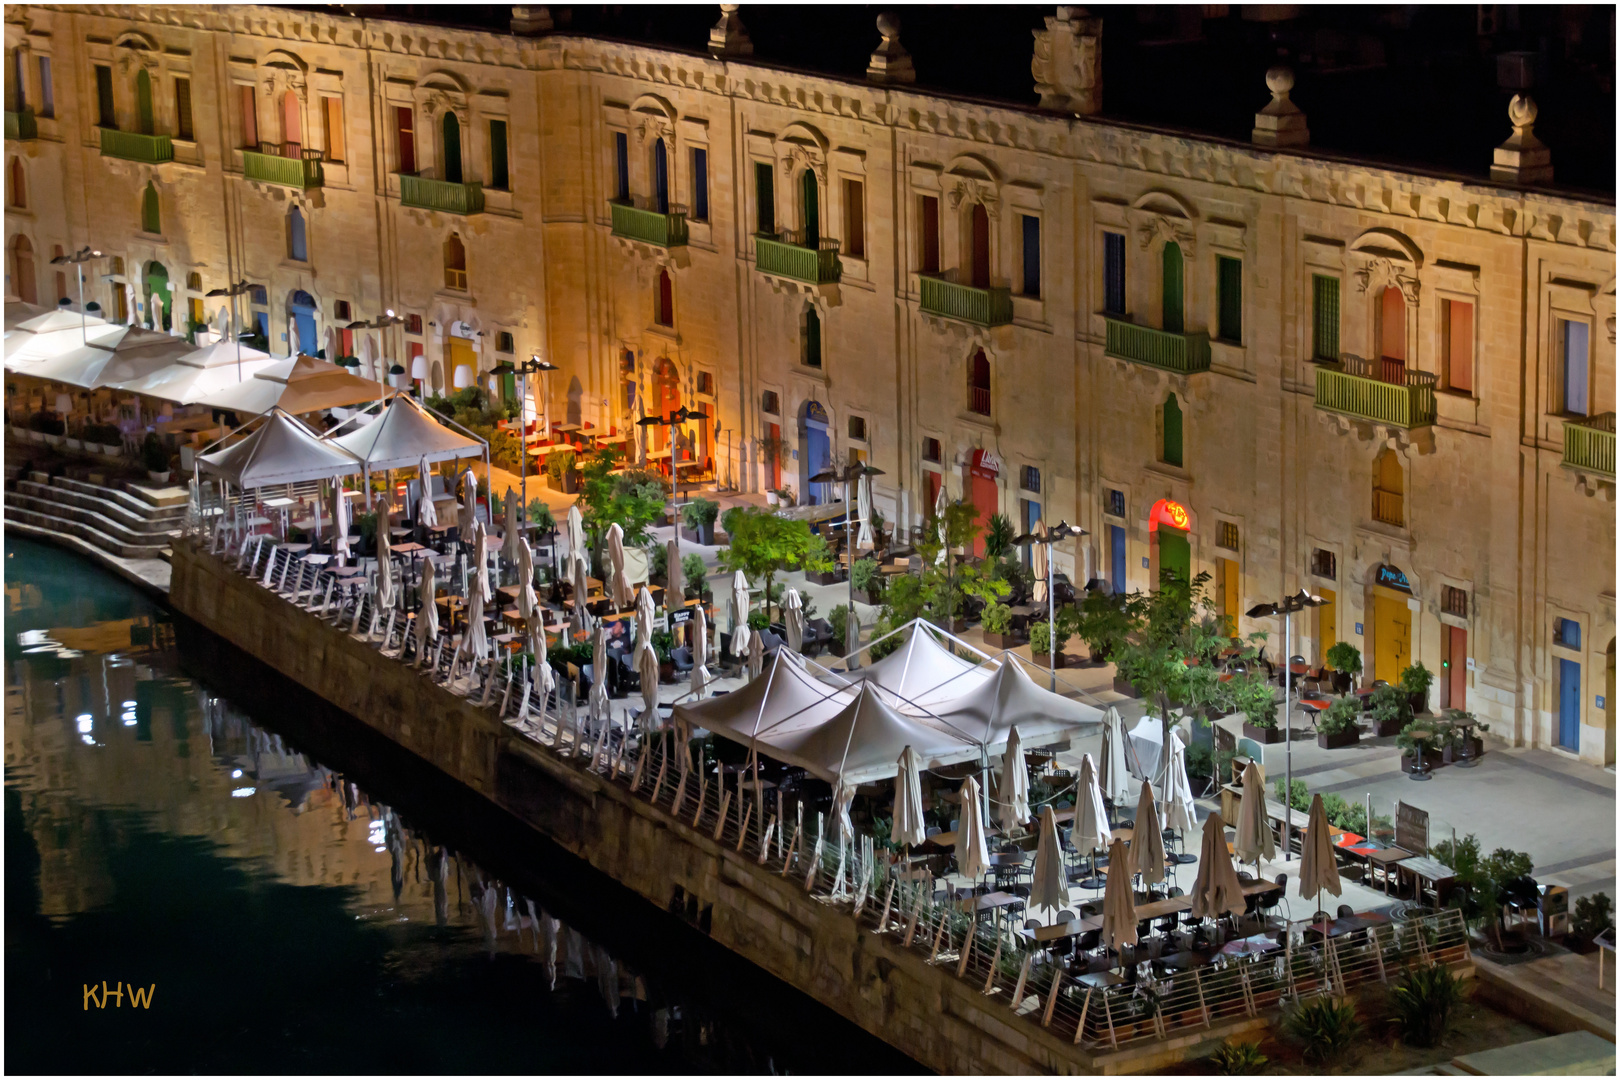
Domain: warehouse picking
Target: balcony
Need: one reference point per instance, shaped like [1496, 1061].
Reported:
[780, 256]
[1589, 444]
[1354, 388]
[133, 146]
[1389, 507]
[269, 165]
[649, 226]
[952, 300]
[1183, 354]
[441, 195]
[21, 126]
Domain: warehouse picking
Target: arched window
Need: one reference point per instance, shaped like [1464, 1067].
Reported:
[143, 103]
[151, 218]
[660, 176]
[812, 337]
[455, 263]
[452, 148]
[297, 247]
[1389, 488]
[22, 270]
[664, 301]
[979, 383]
[195, 289]
[811, 209]
[1392, 335]
[292, 128]
[17, 184]
[980, 226]
[1170, 432]
[1172, 288]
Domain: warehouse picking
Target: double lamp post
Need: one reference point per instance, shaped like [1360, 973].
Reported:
[1286, 608]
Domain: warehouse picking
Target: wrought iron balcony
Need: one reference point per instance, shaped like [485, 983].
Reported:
[1354, 388]
[1589, 444]
[269, 165]
[953, 300]
[20, 125]
[649, 226]
[782, 256]
[1183, 354]
[442, 195]
[133, 146]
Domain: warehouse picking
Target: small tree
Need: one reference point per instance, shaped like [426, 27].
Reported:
[631, 500]
[764, 545]
[998, 536]
[944, 587]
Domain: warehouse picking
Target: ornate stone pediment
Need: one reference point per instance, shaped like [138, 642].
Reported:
[1162, 229]
[1381, 273]
[970, 190]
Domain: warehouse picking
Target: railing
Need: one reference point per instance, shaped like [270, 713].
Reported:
[953, 300]
[1389, 507]
[133, 146]
[1589, 444]
[269, 165]
[20, 125]
[979, 400]
[442, 195]
[1352, 388]
[780, 256]
[649, 226]
[455, 279]
[1183, 354]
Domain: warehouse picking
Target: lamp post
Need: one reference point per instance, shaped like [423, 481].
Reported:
[679, 416]
[382, 322]
[1061, 531]
[527, 368]
[83, 255]
[1286, 608]
[233, 292]
[852, 472]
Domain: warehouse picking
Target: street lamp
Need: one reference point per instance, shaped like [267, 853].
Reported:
[83, 255]
[380, 323]
[854, 471]
[233, 292]
[1061, 531]
[1286, 607]
[527, 368]
[679, 416]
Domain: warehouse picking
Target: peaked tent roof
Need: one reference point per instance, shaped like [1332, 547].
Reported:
[922, 671]
[20, 311]
[301, 385]
[988, 712]
[864, 740]
[26, 348]
[133, 353]
[207, 370]
[282, 451]
[785, 695]
[58, 319]
[403, 434]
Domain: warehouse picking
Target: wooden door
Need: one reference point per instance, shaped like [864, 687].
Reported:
[1392, 637]
[981, 247]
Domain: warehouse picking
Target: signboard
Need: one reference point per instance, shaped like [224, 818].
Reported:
[985, 464]
[680, 615]
[1392, 577]
[1170, 513]
[1411, 829]
[1358, 629]
[462, 330]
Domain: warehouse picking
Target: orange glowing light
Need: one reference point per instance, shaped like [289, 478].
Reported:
[1170, 513]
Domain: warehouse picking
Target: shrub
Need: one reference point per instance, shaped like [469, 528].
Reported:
[1390, 704]
[540, 515]
[1235, 1057]
[1340, 717]
[1326, 1026]
[1040, 638]
[1422, 1005]
[1253, 697]
[866, 577]
[1417, 679]
[1200, 760]
[558, 464]
[730, 518]
[840, 622]
[695, 573]
[1344, 657]
[1302, 795]
[998, 536]
[658, 561]
[154, 455]
[1593, 915]
[997, 617]
[1408, 739]
[758, 620]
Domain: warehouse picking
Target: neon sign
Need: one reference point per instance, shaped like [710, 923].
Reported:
[1170, 513]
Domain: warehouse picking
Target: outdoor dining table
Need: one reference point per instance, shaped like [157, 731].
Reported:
[989, 902]
[1347, 924]
[1254, 945]
[1423, 869]
[1096, 980]
[1384, 859]
[1186, 960]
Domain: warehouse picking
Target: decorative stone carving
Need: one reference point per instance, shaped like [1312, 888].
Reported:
[890, 64]
[655, 127]
[1380, 273]
[970, 190]
[1162, 229]
[1068, 74]
[530, 20]
[1280, 123]
[1523, 159]
[729, 37]
[798, 157]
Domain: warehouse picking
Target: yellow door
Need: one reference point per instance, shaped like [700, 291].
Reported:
[461, 355]
[1327, 622]
[1229, 586]
[1392, 624]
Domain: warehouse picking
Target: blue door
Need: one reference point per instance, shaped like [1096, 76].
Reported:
[1116, 552]
[818, 450]
[1569, 704]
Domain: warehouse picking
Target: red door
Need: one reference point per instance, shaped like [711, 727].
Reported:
[1456, 684]
[776, 463]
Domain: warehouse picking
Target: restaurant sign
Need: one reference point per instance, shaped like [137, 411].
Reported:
[1392, 577]
[1169, 513]
[985, 463]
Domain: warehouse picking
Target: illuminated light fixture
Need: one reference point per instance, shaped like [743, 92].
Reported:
[1170, 513]
[419, 368]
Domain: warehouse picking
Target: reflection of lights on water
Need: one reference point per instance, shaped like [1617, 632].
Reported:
[85, 722]
[129, 704]
[380, 847]
[241, 793]
[236, 774]
[88, 740]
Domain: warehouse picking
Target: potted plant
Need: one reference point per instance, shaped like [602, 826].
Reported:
[74, 439]
[1040, 643]
[663, 642]
[1337, 727]
[695, 575]
[1391, 710]
[868, 581]
[156, 458]
[1458, 746]
[1102, 623]
[997, 619]
[1593, 915]
[1416, 681]
[1421, 736]
[1345, 660]
[1255, 700]
[560, 469]
[699, 515]
[658, 564]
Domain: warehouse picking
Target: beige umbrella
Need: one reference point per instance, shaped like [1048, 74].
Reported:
[1177, 809]
[618, 581]
[340, 522]
[599, 676]
[793, 616]
[481, 553]
[1038, 565]
[1318, 870]
[385, 570]
[645, 615]
[863, 500]
[426, 515]
[972, 852]
[1216, 891]
[1048, 889]
[1147, 843]
[316, 507]
[1090, 820]
[576, 534]
[939, 514]
[536, 627]
[700, 654]
[1115, 776]
[528, 603]
[509, 541]
[647, 667]
[476, 643]
[739, 614]
[427, 620]
[909, 828]
[582, 616]
[675, 576]
[843, 797]
[1253, 829]
[756, 655]
[467, 512]
[1012, 790]
[1119, 909]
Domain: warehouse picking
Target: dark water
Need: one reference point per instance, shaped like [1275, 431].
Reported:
[282, 920]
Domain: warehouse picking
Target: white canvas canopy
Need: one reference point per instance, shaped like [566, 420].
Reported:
[197, 374]
[863, 742]
[131, 354]
[281, 451]
[404, 434]
[1009, 696]
[52, 333]
[20, 311]
[922, 671]
[301, 385]
[786, 693]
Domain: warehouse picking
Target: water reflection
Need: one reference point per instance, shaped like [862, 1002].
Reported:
[289, 923]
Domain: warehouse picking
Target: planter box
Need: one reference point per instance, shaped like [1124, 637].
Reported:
[1476, 748]
[1043, 660]
[703, 535]
[1341, 682]
[1002, 641]
[74, 444]
[1384, 729]
[18, 431]
[864, 596]
[829, 577]
[1343, 738]
[1264, 736]
[1122, 686]
[36, 436]
[1420, 703]
[52, 440]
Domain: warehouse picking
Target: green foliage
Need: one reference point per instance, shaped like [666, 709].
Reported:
[658, 561]
[700, 512]
[154, 455]
[1340, 717]
[1302, 796]
[1408, 739]
[998, 536]
[1252, 695]
[1103, 621]
[695, 573]
[1480, 878]
[366, 525]
[1326, 1026]
[1422, 1004]
[1200, 760]
[764, 545]
[559, 463]
[1593, 915]
[1455, 718]
[758, 620]
[1345, 657]
[840, 623]
[1040, 639]
[884, 625]
[866, 576]
[632, 500]
[1390, 704]
[1235, 1057]
[729, 518]
[996, 618]
[540, 515]
[1416, 679]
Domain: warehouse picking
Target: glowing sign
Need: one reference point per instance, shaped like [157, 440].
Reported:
[1170, 513]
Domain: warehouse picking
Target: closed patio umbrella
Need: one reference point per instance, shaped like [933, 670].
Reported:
[1012, 791]
[618, 581]
[385, 570]
[864, 502]
[644, 619]
[756, 655]
[1177, 811]
[1115, 777]
[1253, 841]
[599, 676]
[972, 852]
[739, 618]
[427, 619]
[1037, 559]
[536, 627]
[1119, 907]
[647, 667]
[481, 553]
[1091, 829]
[1318, 869]
[467, 512]
[509, 541]
[527, 601]
[576, 534]
[675, 576]
[582, 616]
[426, 515]
[476, 642]
[1147, 844]
[909, 828]
[700, 654]
[939, 512]
[1047, 886]
[793, 616]
[340, 522]
[1216, 891]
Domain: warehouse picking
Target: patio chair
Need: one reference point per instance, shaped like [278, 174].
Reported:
[1267, 902]
[1345, 911]
[683, 659]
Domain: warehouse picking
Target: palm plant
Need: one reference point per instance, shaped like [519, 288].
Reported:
[1422, 1005]
[1326, 1026]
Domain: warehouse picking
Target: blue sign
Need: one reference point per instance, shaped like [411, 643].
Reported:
[1392, 578]
[1600, 701]
[1358, 629]
[1144, 562]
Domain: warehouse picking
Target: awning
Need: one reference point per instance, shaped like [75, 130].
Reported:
[302, 385]
[403, 434]
[924, 672]
[281, 451]
[131, 353]
[988, 713]
[18, 311]
[205, 371]
[863, 742]
[786, 693]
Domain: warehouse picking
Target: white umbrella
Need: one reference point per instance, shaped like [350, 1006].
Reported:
[599, 676]
[939, 514]
[1147, 843]
[756, 655]
[864, 501]
[1216, 891]
[385, 570]
[467, 514]
[1253, 841]
[1047, 886]
[647, 667]
[700, 654]
[1177, 811]
[426, 515]
[1115, 774]
[618, 581]
[536, 627]
[908, 826]
[582, 617]
[1318, 870]
[1012, 791]
[527, 601]
[1090, 821]
[476, 643]
[644, 620]
[793, 616]
[340, 522]
[1038, 565]
[1119, 909]
[675, 586]
[972, 852]
[481, 552]
[509, 542]
[427, 620]
[576, 533]
[739, 617]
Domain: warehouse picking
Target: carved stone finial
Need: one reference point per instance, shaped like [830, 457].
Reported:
[1067, 70]
[1523, 159]
[729, 37]
[890, 64]
[1280, 123]
[531, 20]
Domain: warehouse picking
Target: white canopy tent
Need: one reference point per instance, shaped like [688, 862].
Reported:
[129, 354]
[301, 385]
[1009, 696]
[402, 434]
[197, 374]
[20, 311]
[922, 671]
[282, 450]
[51, 334]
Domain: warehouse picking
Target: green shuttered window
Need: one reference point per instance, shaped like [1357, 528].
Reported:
[1229, 295]
[1325, 326]
[1172, 288]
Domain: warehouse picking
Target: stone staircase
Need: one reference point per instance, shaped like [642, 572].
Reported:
[133, 521]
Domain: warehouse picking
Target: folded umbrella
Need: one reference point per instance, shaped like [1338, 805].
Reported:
[1119, 907]
[972, 852]
[1048, 889]
[1177, 811]
[618, 581]
[582, 615]
[644, 619]
[700, 654]
[576, 534]
[385, 570]
[476, 642]
[512, 531]
[1216, 891]
[1090, 821]
[599, 676]
[1012, 792]
[647, 668]
[864, 502]
[340, 522]
[467, 511]
[535, 625]
[793, 616]
[481, 553]
[426, 515]
[739, 615]
[1115, 775]
[1147, 843]
[756, 655]
[674, 576]
[528, 603]
[909, 827]
[427, 619]
[1318, 869]
[1253, 841]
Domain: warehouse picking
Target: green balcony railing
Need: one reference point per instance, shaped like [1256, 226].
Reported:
[814, 266]
[1589, 444]
[20, 125]
[1408, 405]
[1183, 354]
[133, 146]
[984, 307]
[649, 226]
[451, 198]
[301, 172]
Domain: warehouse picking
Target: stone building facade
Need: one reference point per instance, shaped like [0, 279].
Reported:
[1284, 368]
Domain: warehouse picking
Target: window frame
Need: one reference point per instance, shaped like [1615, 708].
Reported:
[185, 128]
[768, 399]
[698, 171]
[500, 164]
[1112, 239]
[854, 420]
[1560, 351]
[854, 224]
[933, 450]
[1228, 267]
[1025, 217]
[1165, 458]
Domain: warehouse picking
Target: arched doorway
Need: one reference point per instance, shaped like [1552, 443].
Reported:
[143, 103]
[811, 209]
[301, 310]
[1389, 638]
[155, 287]
[816, 453]
[452, 148]
[982, 490]
[1168, 525]
[661, 176]
[292, 128]
[22, 270]
[666, 396]
[979, 226]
